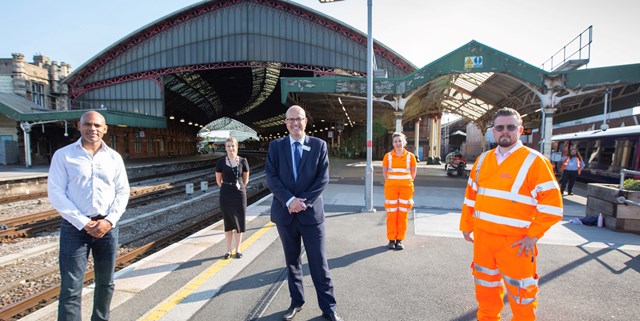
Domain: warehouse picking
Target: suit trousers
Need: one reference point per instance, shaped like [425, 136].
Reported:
[292, 235]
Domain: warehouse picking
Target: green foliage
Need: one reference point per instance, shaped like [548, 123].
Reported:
[631, 184]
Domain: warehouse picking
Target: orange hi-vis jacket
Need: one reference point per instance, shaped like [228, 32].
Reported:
[518, 197]
[566, 161]
[399, 168]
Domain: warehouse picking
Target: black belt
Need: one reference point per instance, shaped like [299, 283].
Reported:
[230, 183]
[98, 217]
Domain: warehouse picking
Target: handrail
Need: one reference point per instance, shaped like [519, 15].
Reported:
[580, 47]
[622, 199]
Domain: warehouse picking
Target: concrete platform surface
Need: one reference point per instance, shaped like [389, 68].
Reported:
[587, 273]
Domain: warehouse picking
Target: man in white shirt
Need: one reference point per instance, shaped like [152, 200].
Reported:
[88, 186]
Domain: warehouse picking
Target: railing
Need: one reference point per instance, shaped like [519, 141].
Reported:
[580, 45]
[622, 199]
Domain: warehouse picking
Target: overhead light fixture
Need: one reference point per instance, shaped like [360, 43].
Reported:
[182, 120]
[190, 123]
[171, 117]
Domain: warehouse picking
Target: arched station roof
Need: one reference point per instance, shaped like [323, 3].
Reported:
[473, 81]
[223, 58]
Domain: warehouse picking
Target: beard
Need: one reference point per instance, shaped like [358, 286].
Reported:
[505, 141]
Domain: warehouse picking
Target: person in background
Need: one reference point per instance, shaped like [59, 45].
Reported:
[232, 176]
[88, 186]
[512, 198]
[572, 166]
[399, 171]
[297, 172]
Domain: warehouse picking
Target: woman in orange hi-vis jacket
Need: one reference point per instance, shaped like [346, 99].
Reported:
[512, 199]
[399, 170]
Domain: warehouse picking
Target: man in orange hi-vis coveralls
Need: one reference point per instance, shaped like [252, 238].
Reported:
[399, 170]
[511, 200]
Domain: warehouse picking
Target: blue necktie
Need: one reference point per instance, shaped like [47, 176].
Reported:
[297, 158]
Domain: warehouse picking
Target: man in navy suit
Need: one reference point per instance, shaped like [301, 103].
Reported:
[297, 172]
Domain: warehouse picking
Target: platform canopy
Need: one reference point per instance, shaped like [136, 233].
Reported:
[473, 81]
[219, 130]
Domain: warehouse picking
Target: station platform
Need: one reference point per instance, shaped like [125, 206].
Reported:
[587, 273]
[12, 172]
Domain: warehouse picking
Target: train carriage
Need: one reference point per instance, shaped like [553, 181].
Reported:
[605, 152]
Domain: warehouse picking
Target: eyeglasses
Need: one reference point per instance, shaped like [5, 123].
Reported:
[500, 128]
[294, 120]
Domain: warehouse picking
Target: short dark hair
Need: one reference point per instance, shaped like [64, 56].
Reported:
[506, 111]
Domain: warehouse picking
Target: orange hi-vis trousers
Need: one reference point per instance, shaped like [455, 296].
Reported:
[398, 202]
[495, 265]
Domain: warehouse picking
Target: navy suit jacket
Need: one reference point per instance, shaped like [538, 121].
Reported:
[313, 177]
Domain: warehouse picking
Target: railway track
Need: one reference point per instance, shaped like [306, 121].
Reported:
[204, 218]
[31, 224]
[25, 197]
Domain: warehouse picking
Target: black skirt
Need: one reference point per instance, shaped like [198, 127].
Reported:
[233, 201]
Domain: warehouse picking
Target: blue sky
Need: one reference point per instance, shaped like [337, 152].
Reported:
[74, 31]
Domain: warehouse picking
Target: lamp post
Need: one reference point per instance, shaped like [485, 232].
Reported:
[368, 178]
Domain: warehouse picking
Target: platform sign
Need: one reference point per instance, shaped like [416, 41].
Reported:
[473, 62]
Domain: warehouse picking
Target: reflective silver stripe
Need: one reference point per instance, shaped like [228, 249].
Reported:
[548, 209]
[544, 187]
[391, 201]
[523, 283]
[472, 184]
[404, 201]
[408, 161]
[468, 202]
[403, 209]
[489, 284]
[509, 196]
[501, 219]
[522, 173]
[399, 170]
[521, 301]
[392, 210]
[408, 176]
[480, 160]
[485, 270]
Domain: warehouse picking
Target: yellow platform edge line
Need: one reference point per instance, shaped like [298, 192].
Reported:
[167, 305]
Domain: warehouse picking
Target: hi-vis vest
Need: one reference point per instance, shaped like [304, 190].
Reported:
[518, 197]
[566, 161]
[399, 168]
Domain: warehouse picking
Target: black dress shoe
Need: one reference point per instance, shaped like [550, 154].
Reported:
[291, 312]
[331, 316]
[391, 245]
[399, 245]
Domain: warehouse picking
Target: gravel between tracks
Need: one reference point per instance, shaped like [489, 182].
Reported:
[17, 279]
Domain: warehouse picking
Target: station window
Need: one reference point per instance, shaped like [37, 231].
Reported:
[149, 145]
[138, 145]
[113, 142]
[37, 93]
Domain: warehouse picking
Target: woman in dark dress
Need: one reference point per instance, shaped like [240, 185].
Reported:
[232, 176]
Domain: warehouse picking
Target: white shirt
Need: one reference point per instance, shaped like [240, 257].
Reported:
[82, 185]
[500, 157]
